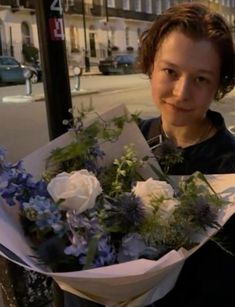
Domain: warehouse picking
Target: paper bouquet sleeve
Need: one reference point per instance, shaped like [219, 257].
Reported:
[135, 283]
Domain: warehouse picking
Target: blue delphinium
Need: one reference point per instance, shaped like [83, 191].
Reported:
[16, 184]
[105, 253]
[84, 229]
[133, 247]
[44, 212]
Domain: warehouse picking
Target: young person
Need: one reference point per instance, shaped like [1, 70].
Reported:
[188, 54]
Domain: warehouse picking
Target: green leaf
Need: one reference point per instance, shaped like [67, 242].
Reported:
[91, 251]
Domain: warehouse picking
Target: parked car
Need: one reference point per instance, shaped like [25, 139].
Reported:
[11, 71]
[119, 64]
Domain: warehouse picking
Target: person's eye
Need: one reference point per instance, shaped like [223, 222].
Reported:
[170, 72]
[202, 80]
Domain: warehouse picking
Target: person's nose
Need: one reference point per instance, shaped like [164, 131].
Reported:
[182, 88]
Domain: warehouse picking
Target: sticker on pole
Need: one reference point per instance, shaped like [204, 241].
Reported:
[56, 29]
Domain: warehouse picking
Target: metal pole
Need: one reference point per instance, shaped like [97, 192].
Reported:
[87, 60]
[11, 43]
[50, 25]
[28, 84]
[109, 49]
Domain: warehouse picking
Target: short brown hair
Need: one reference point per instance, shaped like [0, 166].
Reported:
[197, 22]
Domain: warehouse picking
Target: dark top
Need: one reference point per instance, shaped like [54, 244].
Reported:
[213, 156]
[208, 276]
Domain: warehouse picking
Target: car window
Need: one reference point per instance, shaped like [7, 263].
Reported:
[8, 61]
[127, 58]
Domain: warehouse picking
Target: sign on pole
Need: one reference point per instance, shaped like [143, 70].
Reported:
[49, 14]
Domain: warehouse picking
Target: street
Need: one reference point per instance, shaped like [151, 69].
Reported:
[24, 125]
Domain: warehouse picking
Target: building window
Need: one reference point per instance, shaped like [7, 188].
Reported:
[125, 4]
[137, 6]
[148, 6]
[26, 37]
[74, 39]
[110, 3]
[158, 7]
[127, 36]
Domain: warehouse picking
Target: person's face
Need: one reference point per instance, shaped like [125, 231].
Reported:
[185, 78]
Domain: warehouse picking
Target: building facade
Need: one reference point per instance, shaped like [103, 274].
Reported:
[110, 26]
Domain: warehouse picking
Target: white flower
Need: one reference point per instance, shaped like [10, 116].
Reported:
[150, 188]
[145, 190]
[78, 190]
[167, 207]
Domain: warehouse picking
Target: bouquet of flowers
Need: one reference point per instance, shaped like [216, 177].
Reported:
[99, 213]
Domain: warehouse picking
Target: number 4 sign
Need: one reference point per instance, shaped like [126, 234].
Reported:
[56, 6]
[56, 29]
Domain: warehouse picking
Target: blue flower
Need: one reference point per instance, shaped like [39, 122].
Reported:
[83, 230]
[132, 247]
[105, 253]
[44, 212]
[2, 155]
[124, 213]
[78, 248]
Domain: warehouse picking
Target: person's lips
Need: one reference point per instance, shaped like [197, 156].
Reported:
[177, 108]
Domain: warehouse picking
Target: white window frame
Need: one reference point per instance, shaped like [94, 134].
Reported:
[148, 6]
[158, 7]
[138, 5]
[126, 5]
[110, 3]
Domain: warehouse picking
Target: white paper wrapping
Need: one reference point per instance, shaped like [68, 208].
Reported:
[135, 283]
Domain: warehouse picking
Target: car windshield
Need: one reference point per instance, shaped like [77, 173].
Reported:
[124, 58]
[8, 61]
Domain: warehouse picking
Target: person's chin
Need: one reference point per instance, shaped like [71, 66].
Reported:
[178, 120]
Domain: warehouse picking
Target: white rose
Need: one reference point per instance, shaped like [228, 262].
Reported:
[78, 190]
[168, 207]
[145, 190]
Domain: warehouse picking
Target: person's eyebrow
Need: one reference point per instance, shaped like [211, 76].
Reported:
[202, 70]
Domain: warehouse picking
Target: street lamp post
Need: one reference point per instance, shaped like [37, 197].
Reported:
[109, 49]
[87, 60]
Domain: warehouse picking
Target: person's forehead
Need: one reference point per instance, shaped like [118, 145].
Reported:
[178, 47]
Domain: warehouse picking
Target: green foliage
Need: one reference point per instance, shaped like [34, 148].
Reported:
[30, 53]
[196, 210]
[75, 155]
[119, 177]
[171, 159]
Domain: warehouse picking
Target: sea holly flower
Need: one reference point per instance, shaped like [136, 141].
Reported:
[123, 213]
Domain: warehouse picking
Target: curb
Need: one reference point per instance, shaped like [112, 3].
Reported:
[30, 99]
[18, 99]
